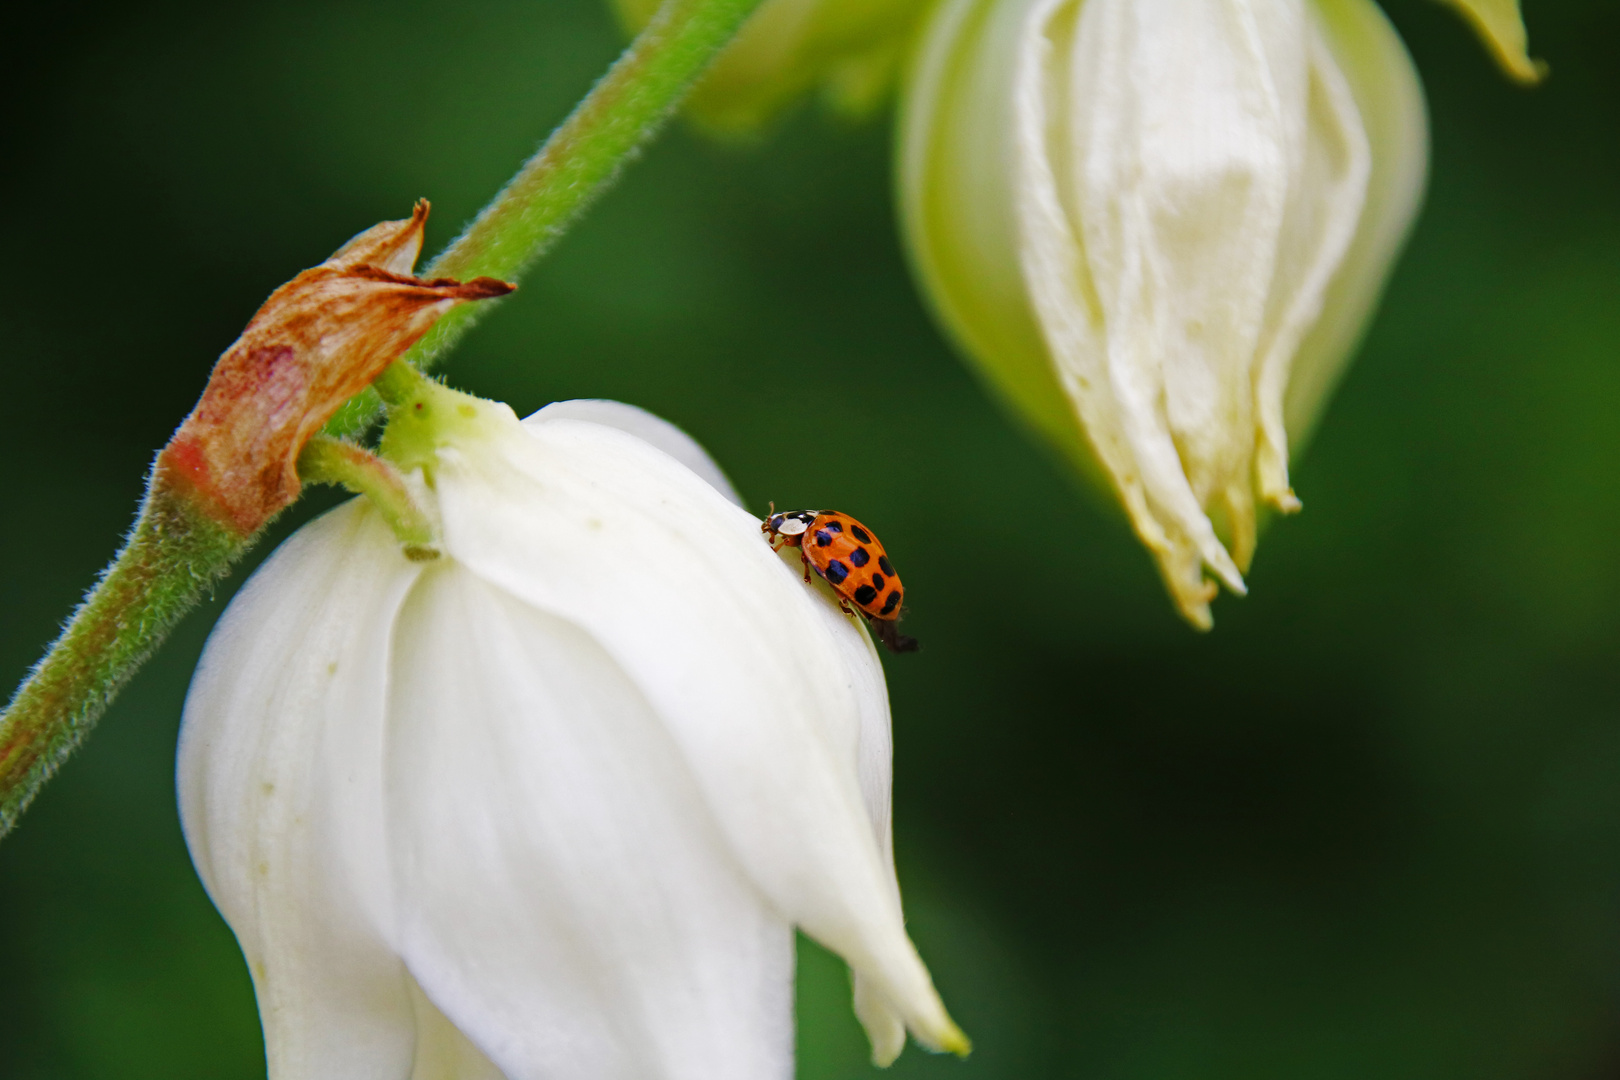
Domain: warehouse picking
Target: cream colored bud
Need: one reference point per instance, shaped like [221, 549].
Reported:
[1158, 226]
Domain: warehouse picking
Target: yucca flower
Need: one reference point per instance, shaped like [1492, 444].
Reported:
[1158, 227]
[551, 804]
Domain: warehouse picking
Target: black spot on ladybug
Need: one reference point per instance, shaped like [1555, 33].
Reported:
[860, 534]
[823, 537]
[836, 572]
[833, 527]
[891, 603]
[877, 582]
[859, 557]
[865, 595]
[883, 561]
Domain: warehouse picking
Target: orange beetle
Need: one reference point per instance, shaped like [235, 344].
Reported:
[846, 554]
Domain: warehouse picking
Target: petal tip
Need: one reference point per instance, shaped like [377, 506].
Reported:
[941, 1035]
[1227, 570]
[884, 1056]
[956, 1041]
[1198, 617]
[944, 1037]
[1526, 70]
[1501, 26]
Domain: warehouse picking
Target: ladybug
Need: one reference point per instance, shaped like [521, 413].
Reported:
[846, 554]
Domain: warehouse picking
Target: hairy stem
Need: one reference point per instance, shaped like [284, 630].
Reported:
[174, 552]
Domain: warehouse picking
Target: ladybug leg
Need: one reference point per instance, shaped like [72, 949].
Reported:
[845, 605]
[806, 560]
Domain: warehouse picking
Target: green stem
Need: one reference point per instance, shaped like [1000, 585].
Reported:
[174, 552]
[325, 460]
[399, 384]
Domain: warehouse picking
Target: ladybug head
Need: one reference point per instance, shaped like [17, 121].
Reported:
[790, 524]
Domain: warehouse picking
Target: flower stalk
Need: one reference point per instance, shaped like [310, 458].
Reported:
[326, 460]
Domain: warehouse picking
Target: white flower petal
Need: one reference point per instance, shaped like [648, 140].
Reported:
[280, 796]
[442, 1051]
[1379, 74]
[1179, 127]
[1325, 208]
[957, 205]
[650, 429]
[677, 585]
[1160, 146]
[581, 917]
[874, 755]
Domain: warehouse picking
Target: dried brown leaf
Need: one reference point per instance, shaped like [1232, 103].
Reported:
[317, 341]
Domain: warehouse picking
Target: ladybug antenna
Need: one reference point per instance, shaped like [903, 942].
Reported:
[773, 508]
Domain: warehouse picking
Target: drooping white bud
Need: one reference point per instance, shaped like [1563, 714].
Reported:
[551, 804]
[1158, 226]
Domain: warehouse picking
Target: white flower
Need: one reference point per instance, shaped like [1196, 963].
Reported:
[551, 804]
[1158, 226]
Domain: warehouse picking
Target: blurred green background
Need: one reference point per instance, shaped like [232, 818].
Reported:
[1370, 826]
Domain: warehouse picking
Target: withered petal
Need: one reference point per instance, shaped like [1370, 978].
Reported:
[391, 245]
[319, 340]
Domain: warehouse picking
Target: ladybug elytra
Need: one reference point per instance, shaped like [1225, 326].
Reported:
[846, 555]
